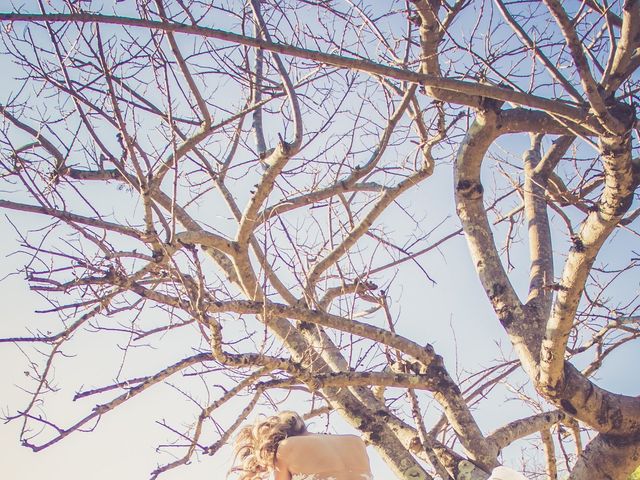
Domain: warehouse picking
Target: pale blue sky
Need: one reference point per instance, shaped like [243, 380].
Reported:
[453, 315]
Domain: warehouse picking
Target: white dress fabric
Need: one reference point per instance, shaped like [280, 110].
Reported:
[506, 473]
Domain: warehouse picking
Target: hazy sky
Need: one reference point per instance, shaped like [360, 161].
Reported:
[454, 315]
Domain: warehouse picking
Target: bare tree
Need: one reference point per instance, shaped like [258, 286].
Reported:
[232, 174]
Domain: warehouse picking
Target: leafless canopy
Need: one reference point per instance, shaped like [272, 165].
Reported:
[252, 180]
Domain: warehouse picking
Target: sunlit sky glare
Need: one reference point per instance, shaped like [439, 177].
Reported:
[453, 314]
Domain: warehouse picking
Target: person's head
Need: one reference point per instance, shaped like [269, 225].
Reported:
[256, 444]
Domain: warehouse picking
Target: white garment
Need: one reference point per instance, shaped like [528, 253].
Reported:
[505, 473]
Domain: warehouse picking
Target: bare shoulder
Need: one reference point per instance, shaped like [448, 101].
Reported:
[316, 452]
[353, 438]
[291, 443]
[319, 437]
[285, 445]
[359, 443]
[316, 439]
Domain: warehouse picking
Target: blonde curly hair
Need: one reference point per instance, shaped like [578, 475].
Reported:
[256, 444]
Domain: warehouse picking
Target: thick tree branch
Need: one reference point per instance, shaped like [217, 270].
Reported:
[607, 458]
[470, 208]
[614, 202]
[626, 49]
[589, 85]
[523, 427]
[540, 247]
